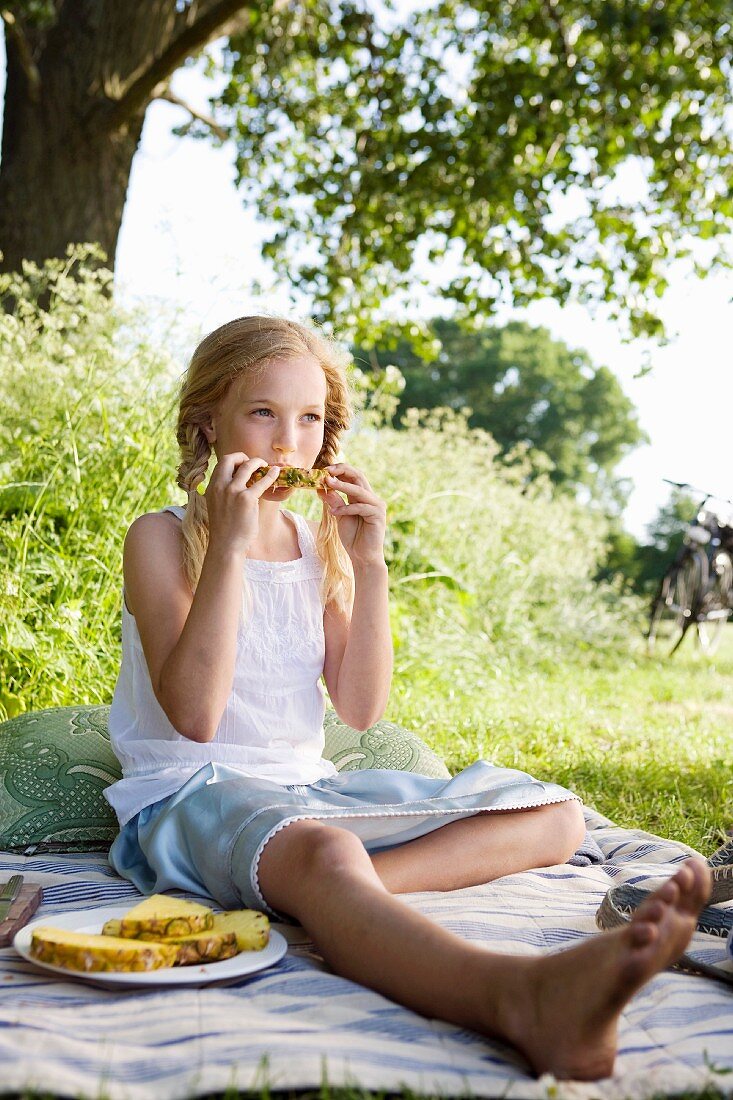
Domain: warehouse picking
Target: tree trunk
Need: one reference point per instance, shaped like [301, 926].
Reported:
[59, 183]
[75, 104]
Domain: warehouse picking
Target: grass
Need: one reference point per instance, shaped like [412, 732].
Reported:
[327, 1092]
[646, 741]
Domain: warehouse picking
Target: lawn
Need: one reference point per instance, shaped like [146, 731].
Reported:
[646, 741]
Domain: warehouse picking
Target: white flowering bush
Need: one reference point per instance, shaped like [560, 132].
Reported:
[488, 566]
[86, 443]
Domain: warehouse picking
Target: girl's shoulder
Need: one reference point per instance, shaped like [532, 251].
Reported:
[151, 560]
[166, 518]
[153, 531]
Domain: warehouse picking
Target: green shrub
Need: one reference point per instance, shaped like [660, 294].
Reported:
[86, 444]
[489, 569]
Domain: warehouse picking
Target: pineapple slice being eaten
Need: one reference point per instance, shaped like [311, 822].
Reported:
[78, 951]
[163, 917]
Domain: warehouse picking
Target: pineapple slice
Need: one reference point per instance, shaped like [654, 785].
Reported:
[292, 477]
[211, 946]
[154, 934]
[78, 951]
[162, 917]
[205, 947]
[251, 928]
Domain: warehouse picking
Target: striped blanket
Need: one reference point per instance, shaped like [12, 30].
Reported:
[297, 1025]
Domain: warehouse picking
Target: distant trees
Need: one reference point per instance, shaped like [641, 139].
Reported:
[531, 392]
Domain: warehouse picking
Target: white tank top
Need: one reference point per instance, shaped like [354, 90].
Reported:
[272, 725]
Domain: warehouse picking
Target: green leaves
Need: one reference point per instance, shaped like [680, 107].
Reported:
[372, 139]
[533, 394]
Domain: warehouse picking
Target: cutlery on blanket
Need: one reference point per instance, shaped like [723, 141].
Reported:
[18, 903]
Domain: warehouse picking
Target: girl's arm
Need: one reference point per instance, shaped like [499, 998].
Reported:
[189, 641]
[358, 665]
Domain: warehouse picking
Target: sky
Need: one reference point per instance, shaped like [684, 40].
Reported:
[188, 240]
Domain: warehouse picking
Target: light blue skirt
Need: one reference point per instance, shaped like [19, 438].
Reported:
[208, 837]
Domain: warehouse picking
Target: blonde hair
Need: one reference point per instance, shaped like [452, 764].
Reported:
[220, 359]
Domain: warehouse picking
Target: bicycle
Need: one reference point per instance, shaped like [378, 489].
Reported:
[697, 589]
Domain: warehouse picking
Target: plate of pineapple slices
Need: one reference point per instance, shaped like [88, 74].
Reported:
[162, 941]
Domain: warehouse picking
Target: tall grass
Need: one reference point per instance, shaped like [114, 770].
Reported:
[489, 568]
[85, 445]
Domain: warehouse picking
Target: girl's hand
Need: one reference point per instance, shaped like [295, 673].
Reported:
[362, 520]
[233, 508]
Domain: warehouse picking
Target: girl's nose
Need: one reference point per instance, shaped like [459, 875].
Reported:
[285, 434]
[285, 443]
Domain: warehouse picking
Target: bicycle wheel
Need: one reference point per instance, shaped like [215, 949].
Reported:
[716, 605]
[673, 609]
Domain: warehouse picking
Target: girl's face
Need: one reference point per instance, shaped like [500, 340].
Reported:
[275, 413]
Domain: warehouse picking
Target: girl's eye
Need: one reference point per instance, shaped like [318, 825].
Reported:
[313, 417]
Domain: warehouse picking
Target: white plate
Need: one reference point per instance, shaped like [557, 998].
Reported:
[91, 921]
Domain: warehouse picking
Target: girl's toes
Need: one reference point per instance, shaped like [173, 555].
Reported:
[699, 877]
[644, 933]
[670, 892]
[685, 876]
[652, 910]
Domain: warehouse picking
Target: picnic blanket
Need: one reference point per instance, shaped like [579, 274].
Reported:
[297, 1025]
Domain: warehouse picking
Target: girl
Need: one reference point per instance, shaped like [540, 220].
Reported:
[234, 610]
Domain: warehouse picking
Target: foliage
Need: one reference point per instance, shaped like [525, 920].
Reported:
[531, 392]
[523, 149]
[476, 576]
[85, 445]
[498, 140]
[37, 13]
[668, 526]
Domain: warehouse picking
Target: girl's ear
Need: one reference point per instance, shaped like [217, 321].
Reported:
[209, 430]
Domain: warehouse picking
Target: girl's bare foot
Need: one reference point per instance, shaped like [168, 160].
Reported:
[564, 1009]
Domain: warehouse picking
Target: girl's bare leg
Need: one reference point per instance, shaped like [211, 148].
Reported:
[560, 1010]
[479, 849]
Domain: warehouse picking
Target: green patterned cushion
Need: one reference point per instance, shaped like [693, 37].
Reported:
[384, 745]
[55, 764]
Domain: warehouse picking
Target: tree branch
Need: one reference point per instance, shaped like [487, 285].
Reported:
[194, 28]
[213, 125]
[15, 31]
[553, 17]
